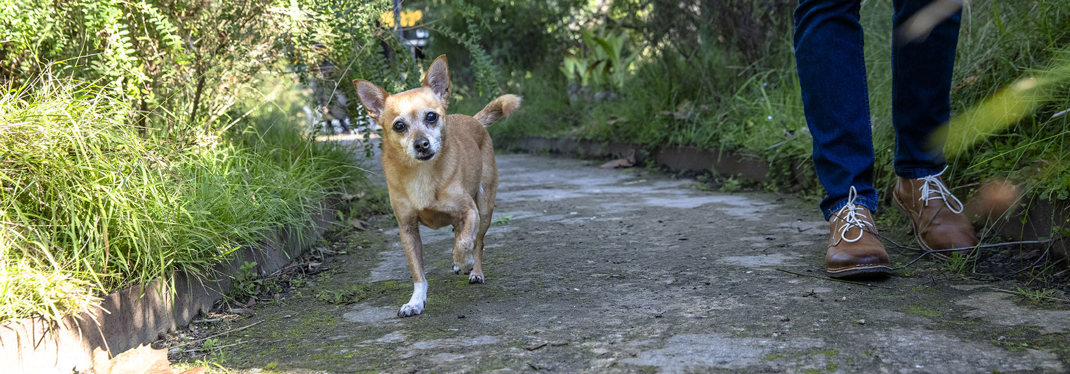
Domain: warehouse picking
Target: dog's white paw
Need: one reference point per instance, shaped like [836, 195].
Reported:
[416, 302]
[409, 310]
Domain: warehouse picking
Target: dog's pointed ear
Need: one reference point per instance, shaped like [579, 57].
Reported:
[438, 78]
[371, 96]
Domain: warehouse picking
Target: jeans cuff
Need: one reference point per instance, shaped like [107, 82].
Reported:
[916, 173]
[867, 202]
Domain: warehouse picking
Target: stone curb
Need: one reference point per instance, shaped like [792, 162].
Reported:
[1041, 221]
[138, 314]
[1043, 216]
[675, 158]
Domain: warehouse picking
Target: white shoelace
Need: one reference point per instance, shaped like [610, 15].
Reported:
[853, 218]
[933, 186]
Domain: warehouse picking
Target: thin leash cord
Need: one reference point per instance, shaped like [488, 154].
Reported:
[1048, 244]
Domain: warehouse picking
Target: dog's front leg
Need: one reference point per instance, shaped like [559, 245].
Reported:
[410, 241]
[464, 241]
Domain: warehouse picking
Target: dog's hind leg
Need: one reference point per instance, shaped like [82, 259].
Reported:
[485, 201]
[477, 251]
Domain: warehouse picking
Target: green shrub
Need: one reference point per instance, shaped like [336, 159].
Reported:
[142, 138]
[90, 206]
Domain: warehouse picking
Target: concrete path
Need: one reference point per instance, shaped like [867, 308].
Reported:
[595, 270]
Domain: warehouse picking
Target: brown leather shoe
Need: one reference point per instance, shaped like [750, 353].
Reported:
[935, 215]
[854, 249]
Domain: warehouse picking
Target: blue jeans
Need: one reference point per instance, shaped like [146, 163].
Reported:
[832, 74]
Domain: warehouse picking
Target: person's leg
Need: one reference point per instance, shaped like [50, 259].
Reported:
[921, 86]
[339, 109]
[832, 74]
[921, 83]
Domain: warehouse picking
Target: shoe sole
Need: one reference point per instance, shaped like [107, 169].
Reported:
[875, 271]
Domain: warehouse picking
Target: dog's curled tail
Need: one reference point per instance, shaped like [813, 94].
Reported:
[503, 106]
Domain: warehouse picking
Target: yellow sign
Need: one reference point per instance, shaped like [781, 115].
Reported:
[408, 19]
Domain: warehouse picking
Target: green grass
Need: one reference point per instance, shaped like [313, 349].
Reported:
[89, 205]
[957, 263]
[1038, 296]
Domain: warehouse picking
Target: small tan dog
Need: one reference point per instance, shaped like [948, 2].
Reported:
[439, 170]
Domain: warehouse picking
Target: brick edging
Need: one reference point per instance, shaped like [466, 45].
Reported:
[675, 158]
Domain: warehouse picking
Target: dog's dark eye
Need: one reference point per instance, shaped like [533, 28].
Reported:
[431, 118]
[399, 126]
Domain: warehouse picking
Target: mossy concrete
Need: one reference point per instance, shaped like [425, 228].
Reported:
[625, 271]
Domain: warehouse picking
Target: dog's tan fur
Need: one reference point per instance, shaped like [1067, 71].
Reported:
[455, 185]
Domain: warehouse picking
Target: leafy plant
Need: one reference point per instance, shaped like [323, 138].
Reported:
[732, 184]
[600, 63]
[214, 347]
[247, 283]
[211, 344]
[502, 220]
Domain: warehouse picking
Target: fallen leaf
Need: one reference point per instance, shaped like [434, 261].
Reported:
[619, 163]
[626, 162]
[142, 360]
[348, 197]
[358, 224]
[535, 346]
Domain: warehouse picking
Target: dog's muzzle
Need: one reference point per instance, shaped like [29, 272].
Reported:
[423, 150]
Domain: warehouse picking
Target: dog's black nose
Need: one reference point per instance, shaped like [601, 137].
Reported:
[422, 145]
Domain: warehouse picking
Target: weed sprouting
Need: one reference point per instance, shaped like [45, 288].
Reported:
[1038, 297]
[732, 184]
[246, 283]
[502, 220]
[957, 263]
